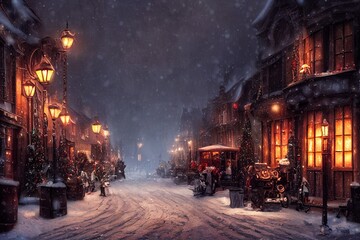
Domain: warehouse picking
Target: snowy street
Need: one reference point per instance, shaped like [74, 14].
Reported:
[158, 209]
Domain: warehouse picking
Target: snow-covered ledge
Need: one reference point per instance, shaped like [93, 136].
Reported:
[8, 182]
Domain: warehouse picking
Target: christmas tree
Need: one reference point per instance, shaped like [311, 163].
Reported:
[246, 145]
[67, 168]
[35, 165]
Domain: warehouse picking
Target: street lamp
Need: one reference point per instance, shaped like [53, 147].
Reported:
[65, 119]
[64, 116]
[96, 127]
[29, 92]
[54, 110]
[325, 153]
[106, 132]
[67, 38]
[44, 70]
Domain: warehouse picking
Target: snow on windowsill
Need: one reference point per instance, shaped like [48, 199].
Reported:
[8, 182]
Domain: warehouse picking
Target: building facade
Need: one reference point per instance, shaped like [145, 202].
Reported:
[309, 71]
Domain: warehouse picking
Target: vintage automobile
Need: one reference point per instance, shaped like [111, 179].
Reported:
[267, 185]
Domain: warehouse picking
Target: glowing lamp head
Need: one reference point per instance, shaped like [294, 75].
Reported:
[67, 39]
[275, 108]
[55, 111]
[96, 127]
[65, 116]
[44, 71]
[29, 89]
[106, 131]
[305, 69]
[325, 128]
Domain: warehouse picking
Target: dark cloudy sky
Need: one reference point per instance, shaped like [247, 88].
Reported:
[137, 63]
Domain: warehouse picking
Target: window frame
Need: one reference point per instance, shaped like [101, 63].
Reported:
[343, 135]
[344, 52]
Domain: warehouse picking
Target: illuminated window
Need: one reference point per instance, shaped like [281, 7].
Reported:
[313, 52]
[344, 45]
[314, 139]
[280, 139]
[343, 137]
[6, 151]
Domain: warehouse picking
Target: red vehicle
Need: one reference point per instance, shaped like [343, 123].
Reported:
[224, 159]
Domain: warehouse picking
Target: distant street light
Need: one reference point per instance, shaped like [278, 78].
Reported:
[106, 132]
[65, 117]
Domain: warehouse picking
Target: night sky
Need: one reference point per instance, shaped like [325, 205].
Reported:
[137, 63]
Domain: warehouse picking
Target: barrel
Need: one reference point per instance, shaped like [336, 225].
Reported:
[53, 202]
[8, 204]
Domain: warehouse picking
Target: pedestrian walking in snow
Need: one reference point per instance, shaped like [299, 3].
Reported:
[102, 187]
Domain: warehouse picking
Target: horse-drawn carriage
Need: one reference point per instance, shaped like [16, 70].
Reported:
[217, 166]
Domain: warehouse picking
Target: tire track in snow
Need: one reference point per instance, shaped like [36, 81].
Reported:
[151, 210]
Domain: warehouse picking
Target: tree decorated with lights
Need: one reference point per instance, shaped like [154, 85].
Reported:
[36, 165]
[246, 155]
[67, 168]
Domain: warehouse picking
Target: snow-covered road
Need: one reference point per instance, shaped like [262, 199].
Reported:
[159, 209]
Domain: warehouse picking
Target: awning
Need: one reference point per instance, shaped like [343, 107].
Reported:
[217, 147]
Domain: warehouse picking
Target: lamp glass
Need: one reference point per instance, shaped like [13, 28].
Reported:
[44, 71]
[29, 89]
[325, 128]
[65, 117]
[96, 127]
[54, 110]
[67, 39]
[106, 132]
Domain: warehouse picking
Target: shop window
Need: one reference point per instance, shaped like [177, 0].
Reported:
[314, 140]
[280, 138]
[343, 137]
[344, 46]
[6, 151]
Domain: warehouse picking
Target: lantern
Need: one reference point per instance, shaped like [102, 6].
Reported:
[44, 71]
[54, 110]
[67, 39]
[325, 128]
[96, 127]
[65, 117]
[29, 89]
[106, 131]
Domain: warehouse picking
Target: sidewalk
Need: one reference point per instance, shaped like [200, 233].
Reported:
[332, 204]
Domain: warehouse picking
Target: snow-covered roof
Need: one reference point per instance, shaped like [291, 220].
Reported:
[217, 147]
[24, 17]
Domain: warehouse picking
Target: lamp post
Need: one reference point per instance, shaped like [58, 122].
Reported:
[189, 145]
[67, 39]
[96, 126]
[29, 91]
[54, 110]
[106, 147]
[325, 153]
